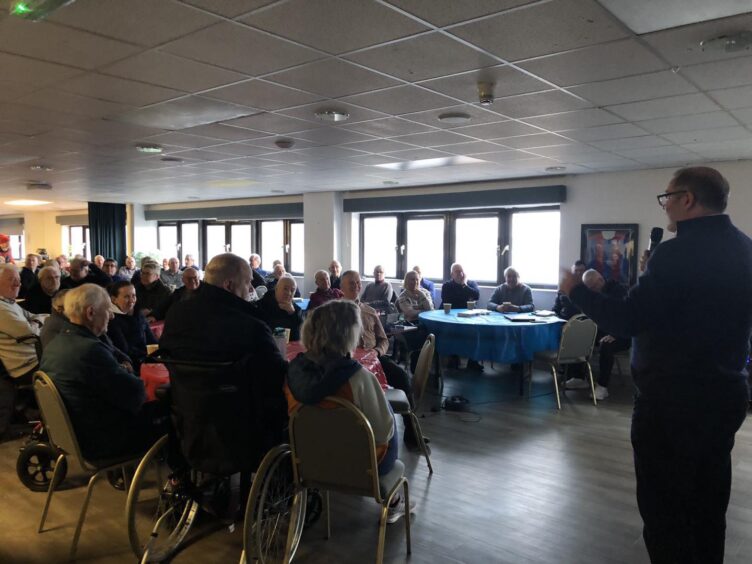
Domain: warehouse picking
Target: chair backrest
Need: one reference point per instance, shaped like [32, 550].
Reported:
[577, 340]
[423, 369]
[55, 416]
[333, 449]
[260, 291]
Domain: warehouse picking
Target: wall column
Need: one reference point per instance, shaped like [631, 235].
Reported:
[323, 218]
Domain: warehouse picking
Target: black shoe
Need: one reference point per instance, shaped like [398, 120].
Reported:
[453, 362]
[474, 365]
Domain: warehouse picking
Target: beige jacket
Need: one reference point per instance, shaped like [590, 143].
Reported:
[18, 358]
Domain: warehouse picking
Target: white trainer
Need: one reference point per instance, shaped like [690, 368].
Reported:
[396, 512]
[601, 392]
[576, 384]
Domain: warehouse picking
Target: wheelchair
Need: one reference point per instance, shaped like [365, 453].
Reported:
[174, 483]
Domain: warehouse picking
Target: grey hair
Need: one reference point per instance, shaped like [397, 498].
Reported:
[322, 272]
[410, 274]
[47, 270]
[509, 269]
[590, 276]
[78, 299]
[150, 268]
[254, 256]
[288, 276]
[453, 265]
[9, 266]
[58, 300]
[223, 268]
[332, 330]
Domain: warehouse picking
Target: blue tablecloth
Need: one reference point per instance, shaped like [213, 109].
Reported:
[491, 337]
[302, 303]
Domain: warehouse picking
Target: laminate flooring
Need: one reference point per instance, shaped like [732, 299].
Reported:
[515, 482]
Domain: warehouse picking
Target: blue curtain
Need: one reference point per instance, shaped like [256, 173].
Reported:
[107, 230]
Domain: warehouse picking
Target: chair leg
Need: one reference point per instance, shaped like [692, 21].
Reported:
[421, 440]
[406, 490]
[126, 481]
[382, 531]
[556, 386]
[89, 489]
[592, 383]
[328, 516]
[50, 490]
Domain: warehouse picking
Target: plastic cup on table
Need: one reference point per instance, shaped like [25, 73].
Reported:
[447, 308]
[471, 305]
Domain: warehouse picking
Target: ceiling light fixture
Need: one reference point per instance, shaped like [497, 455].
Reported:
[38, 185]
[555, 168]
[284, 143]
[149, 148]
[40, 168]
[26, 203]
[454, 117]
[741, 41]
[171, 160]
[332, 115]
[430, 163]
[36, 10]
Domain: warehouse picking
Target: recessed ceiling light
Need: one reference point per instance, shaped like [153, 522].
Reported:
[40, 168]
[555, 168]
[278, 191]
[390, 183]
[430, 163]
[171, 160]
[332, 115]
[26, 203]
[741, 41]
[454, 117]
[38, 185]
[150, 148]
[284, 143]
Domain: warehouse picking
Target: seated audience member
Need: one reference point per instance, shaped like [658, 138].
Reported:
[62, 261]
[512, 296]
[372, 337]
[411, 302]
[335, 268]
[563, 306]
[379, 290]
[277, 309]
[278, 272]
[5, 251]
[171, 276]
[128, 330]
[105, 401]
[608, 345]
[127, 271]
[457, 292]
[84, 272]
[19, 360]
[56, 321]
[99, 261]
[165, 264]
[330, 334]
[28, 274]
[150, 291]
[39, 297]
[136, 278]
[190, 262]
[191, 284]
[110, 268]
[255, 262]
[219, 324]
[424, 282]
[324, 292]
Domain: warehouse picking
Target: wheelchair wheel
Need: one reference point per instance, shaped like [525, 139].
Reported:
[160, 509]
[36, 464]
[275, 513]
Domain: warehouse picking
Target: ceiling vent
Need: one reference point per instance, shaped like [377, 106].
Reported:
[38, 185]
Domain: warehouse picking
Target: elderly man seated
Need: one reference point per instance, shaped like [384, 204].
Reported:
[150, 290]
[457, 291]
[105, 401]
[278, 310]
[110, 268]
[609, 345]
[171, 276]
[324, 291]
[512, 296]
[28, 274]
[379, 290]
[128, 329]
[563, 306]
[373, 337]
[39, 297]
[84, 272]
[255, 261]
[335, 269]
[191, 285]
[278, 272]
[411, 302]
[19, 360]
[127, 271]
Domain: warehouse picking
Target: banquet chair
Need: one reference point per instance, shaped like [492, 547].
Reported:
[63, 437]
[261, 291]
[576, 347]
[345, 462]
[399, 402]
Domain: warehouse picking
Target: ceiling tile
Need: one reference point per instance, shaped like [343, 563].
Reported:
[333, 135]
[433, 138]
[230, 45]
[201, 154]
[574, 120]
[224, 132]
[688, 122]
[261, 94]
[309, 111]
[144, 22]
[228, 8]
[118, 90]
[543, 28]
[634, 88]
[240, 149]
[606, 132]
[497, 130]
[745, 115]
[574, 150]
[57, 44]
[184, 112]
[388, 127]
[416, 154]
[534, 140]
[653, 152]
[12, 90]
[182, 140]
[172, 72]
[400, 100]
[477, 115]
[380, 146]
[471, 147]
[721, 74]
[271, 123]
[709, 135]
[335, 26]
[538, 104]
[733, 98]
[726, 150]
[332, 78]
[665, 107]
[631, 143]
[445, 12]
[600, 62]
[503, 157]
[70, 103]
[426, 56]
[507, 81]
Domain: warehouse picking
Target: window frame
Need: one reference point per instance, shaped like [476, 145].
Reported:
[179, 227]
[85, 235]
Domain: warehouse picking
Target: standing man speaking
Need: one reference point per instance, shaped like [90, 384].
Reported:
[690, 314]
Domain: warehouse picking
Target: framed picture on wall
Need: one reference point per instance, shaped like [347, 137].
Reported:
[611, 249]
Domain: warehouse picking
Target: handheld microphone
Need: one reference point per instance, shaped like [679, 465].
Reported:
[656, 235]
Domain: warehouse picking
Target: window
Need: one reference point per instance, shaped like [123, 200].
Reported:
[297, 247]
[215, 241]
[240, 240]
[272, 243]
[189, 242]
[380, 245]
[425, 246]
[168, 241]
[17, 246]
[476, 247]
[76, 240]
[535, 246]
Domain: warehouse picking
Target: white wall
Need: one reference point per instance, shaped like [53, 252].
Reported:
[322, 216]
[144, 232]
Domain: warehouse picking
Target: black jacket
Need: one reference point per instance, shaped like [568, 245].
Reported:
[28, 279]
[258, 280]
[95, 276]
[690, 313]
[37, 301]
[153, 297]
[131, 334]
[179, 295]
[274, 316]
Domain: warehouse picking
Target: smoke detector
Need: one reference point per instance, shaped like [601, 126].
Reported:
[485, 93]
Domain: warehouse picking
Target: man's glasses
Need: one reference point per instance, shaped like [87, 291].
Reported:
[663, 198]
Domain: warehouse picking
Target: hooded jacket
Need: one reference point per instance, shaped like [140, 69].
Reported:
[309, 382]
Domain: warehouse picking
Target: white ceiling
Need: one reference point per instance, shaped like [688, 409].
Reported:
[216, 82]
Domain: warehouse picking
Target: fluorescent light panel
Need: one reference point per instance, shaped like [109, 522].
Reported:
[26, 203]
[430, 163]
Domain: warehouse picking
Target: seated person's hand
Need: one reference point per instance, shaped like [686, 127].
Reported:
[127, 366]
[146, 312]
[151, 319]
[507, 307]
[287, 306]
[607, 339]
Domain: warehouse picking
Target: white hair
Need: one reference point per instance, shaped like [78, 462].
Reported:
[78, 299]
[511, 269]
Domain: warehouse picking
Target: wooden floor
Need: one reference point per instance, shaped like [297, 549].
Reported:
[515, 482]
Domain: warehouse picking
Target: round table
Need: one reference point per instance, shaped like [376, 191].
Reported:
[492, 337]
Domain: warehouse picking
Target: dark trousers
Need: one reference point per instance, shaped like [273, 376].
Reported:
[606, 358]
[9, 394]
[396, 377]
[682, 456]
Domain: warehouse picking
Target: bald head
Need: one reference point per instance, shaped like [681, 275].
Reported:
[593, 280]
[231, 273]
